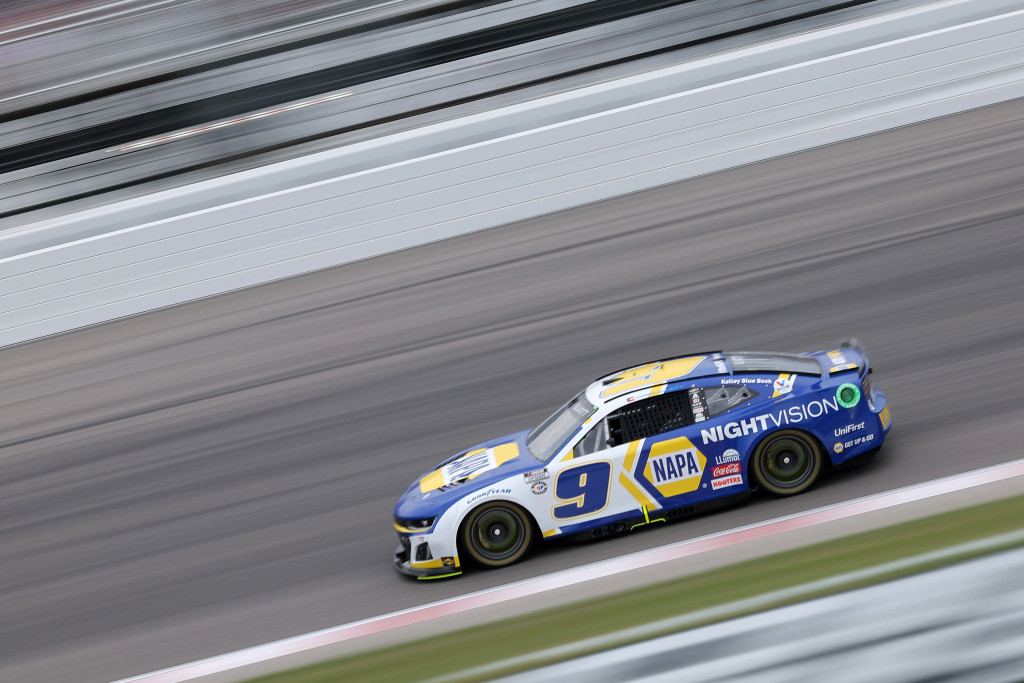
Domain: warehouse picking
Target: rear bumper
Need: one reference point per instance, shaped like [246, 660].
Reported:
[865, 433]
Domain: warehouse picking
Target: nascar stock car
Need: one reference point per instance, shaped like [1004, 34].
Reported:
[642, 445]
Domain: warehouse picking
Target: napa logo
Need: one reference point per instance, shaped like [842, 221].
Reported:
[674, 467]
[469, 466]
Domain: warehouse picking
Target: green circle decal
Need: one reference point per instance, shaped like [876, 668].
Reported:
[848, 395]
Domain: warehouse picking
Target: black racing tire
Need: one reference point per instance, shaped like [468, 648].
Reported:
[497, 534]
[787, 462]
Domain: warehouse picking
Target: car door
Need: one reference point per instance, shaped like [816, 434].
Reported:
[665, 463]
[584, 486]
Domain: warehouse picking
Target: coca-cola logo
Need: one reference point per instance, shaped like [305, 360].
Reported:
[723, 470]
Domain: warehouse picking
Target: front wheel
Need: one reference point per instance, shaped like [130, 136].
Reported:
[497, 534]
[787, 462]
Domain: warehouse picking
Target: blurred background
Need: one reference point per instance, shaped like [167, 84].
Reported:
[218, 472]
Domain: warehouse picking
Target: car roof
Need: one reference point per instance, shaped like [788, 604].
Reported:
[698, 366]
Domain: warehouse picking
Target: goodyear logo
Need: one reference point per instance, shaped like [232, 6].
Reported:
[493, 491]
[674, 467]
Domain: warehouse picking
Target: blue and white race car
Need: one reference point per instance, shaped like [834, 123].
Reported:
[642, 445]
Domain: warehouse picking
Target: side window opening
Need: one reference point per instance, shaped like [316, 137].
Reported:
[596, 440]
[635, 421]
[722, 399]
[652, 416]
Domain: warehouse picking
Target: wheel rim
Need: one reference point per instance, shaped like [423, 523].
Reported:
[497, 534]
[787, 462]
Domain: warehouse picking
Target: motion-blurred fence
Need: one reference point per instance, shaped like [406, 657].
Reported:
[507, 165]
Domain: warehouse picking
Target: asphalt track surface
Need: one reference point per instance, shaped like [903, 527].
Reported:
[221, 474]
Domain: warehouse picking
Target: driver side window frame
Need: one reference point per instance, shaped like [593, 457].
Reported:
[594, 441]
[675, 402]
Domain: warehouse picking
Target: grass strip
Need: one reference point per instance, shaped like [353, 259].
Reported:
[462, 651]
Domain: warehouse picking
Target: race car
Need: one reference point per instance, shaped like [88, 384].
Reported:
[642, 445]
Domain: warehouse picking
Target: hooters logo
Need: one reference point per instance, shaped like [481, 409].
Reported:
[731, 480]
[723, 470]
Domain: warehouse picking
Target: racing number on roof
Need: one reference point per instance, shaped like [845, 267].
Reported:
[652, 373]
[585, 489]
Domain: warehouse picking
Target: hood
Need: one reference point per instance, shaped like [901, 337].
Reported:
[473, 469]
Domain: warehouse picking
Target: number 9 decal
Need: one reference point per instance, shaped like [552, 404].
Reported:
[584, 488]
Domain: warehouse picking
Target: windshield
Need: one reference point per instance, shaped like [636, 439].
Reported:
[553, 432]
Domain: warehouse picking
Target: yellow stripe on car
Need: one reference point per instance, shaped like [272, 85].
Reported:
[505, 452]
[438, 576]
[635, 491]
[631, 455]
[429, 564]
[434, 480]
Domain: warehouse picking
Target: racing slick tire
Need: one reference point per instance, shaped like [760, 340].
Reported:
[497, 534]
[787, 462]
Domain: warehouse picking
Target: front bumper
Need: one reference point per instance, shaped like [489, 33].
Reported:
[428, 553]
[428, 569]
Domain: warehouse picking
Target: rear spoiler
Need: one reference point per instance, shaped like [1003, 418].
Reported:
[862, 365]
[854, 343]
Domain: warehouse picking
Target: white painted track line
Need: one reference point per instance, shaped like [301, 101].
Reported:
[569, 577]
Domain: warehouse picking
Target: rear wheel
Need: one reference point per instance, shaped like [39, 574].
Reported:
[787, 462]
[497, 534]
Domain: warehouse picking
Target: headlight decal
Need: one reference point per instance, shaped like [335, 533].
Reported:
[413, 526]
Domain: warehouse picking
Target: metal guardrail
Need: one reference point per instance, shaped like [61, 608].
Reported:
[49, 50]
[357, 88]
[961, 623]
[519, 162]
